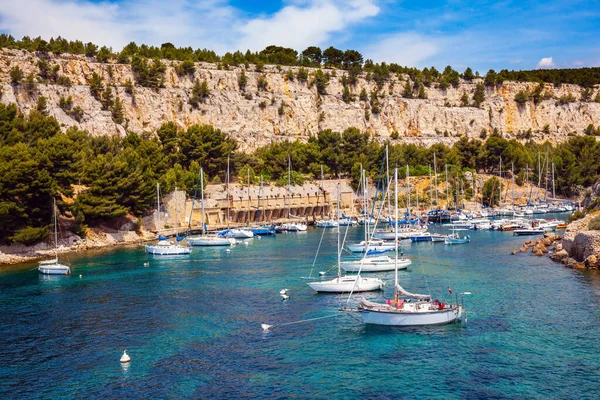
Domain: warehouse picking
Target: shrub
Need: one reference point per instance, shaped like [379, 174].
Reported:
[16, 75]
[576, 215]
[261, 83]
[30, 235]
[594, 224]
[522, 97]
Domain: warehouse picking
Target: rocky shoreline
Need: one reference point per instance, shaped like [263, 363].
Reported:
[579, 248]
[96, 239]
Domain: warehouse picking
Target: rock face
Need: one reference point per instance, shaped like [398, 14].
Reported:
[581, 244]
[256, 117]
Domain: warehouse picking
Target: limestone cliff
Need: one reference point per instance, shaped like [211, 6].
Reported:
[439, 118]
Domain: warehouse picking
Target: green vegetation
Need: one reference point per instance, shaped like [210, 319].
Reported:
[594, 224]
[151, 74]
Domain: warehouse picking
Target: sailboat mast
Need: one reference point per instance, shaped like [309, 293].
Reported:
[430, 186]
[260, 192]
[323, 191]
[365, 203]
[202, 199]
[396, 236]
[387, 176]
[227, 186]
[339, 202]
[437, 200]
[407, 195]
[289, 188]
[512, 169]
[55, 229]
[158, 208]
[553, 192]
[539, 171]
[546, 191]
[249, 208]
[447, 194]
[176, 215]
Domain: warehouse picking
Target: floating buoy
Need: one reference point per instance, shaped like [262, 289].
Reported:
[146, 264]
[265, 327]
[125, 357]
[246, 243]
[228, 250]
[259, 238]
[283, 291]
[322, 273]
[80, 276]
[284, 297]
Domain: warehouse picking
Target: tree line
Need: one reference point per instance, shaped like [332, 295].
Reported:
[312, 56]
[109, 177]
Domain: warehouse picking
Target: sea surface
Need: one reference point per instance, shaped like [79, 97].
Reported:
[192, 326]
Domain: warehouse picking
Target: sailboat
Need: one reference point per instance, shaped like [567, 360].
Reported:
[164, 247]
[369, 243]
[408, 309]
[373, 260]
[347, 283]
[292, 226]
[205, 239]
[53, 267]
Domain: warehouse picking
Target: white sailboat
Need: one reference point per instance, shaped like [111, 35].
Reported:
[347, 283]
[165, 247]
[53, 267]
[420, 310]
[369, 243]
[205, 239]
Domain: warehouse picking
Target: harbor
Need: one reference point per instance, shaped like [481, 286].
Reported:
[192, 326]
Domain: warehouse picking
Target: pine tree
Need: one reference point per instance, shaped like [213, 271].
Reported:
[117, 111]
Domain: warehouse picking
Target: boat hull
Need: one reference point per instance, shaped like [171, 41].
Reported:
[367, 265]
[347, 284]
[167, 250]
[402, 318]
[361, 248]
[210, 241]
[54, 269]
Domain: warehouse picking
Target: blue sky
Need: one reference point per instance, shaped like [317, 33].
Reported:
[480, 34]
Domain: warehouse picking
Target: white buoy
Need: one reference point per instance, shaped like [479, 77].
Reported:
[80, 276]
[125, 357]
[259, 237]
[322, 273]
[265, 327]
[283, 291]
[228, 250]
[146, 264]
[246, 243]
[284, 297]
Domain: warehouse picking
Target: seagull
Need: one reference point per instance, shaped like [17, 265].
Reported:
[284, 297]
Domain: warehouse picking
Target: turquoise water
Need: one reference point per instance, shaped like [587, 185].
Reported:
[192, 327]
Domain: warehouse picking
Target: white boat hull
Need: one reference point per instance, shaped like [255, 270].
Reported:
[374, 265]
[54, 269]
[347, 284]
[167, 250]
[238, 234]
[210, 241]
[362, 247]
[390, 316]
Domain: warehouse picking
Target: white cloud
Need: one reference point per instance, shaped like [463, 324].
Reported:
[303, 24]
[200, 24]
[409, 49]
[546, 62]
